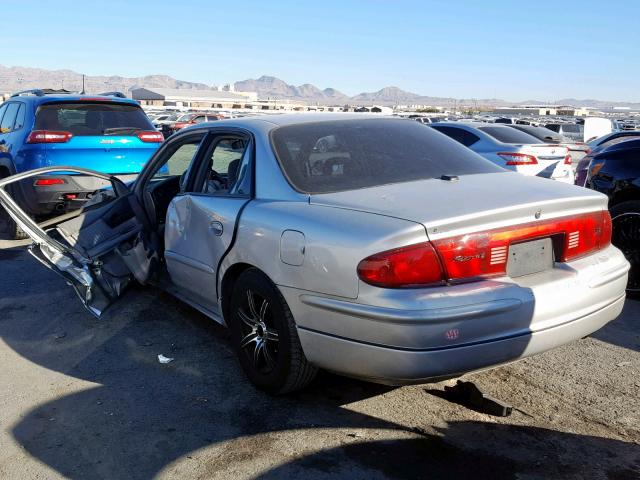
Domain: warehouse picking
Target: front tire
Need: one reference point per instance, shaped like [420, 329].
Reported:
[625, 219]
[264, 335]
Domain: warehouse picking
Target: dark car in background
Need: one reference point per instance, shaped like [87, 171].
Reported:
[597, 146]
[615, 171]
[42, 128]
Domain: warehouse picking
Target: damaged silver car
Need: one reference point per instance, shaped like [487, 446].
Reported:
[372, 247]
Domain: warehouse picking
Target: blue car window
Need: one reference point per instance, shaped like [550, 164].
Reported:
[20, 118]
[9, 118]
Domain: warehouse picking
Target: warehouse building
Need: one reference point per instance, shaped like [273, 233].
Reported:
[191, 98]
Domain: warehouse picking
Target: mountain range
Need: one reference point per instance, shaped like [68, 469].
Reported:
[268, 87]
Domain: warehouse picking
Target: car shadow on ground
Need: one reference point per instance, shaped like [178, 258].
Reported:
[626, 333]
[134, 417]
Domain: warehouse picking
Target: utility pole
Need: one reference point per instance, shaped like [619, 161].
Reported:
[83, 92]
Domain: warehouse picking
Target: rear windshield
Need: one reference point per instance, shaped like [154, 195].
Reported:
[509, 135]
[91, 119]
[334, 156]
[544, 134]
[572, 128]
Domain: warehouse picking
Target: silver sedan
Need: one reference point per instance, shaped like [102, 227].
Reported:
[372, 247]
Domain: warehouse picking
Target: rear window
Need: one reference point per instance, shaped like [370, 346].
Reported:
[509, 135]
[544, 134]
[92, 119]
[570, 128]
[344, 155]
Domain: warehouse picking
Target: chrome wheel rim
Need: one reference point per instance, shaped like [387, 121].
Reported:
[626, 236]
[259, 337]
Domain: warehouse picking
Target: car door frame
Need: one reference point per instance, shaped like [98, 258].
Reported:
[196, 174]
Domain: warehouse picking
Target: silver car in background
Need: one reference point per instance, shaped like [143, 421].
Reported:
[512, 149]
[394, 255]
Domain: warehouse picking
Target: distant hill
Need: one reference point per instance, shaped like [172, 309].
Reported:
[273, 87]
[21, 78]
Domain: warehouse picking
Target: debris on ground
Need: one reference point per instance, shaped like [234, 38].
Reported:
[468, 394]
[163, 359]
[623, 364]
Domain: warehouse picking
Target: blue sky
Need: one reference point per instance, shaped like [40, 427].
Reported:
[515, 50]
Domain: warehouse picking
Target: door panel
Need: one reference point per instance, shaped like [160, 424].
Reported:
[83, 248]
[199, 230]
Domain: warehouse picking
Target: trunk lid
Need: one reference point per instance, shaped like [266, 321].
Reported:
[105, 153]
[472, 203]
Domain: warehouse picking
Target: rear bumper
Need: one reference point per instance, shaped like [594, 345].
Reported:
[400, 366]
[410, 336]
[72, 194]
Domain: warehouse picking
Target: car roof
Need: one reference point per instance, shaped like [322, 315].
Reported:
[627, 144]
[53, 98]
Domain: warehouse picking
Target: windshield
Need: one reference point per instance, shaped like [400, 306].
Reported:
[509, 135]
[186, 118]
[92, 119]
[335, 156]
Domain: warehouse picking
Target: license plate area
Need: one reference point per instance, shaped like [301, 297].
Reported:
[530, 257]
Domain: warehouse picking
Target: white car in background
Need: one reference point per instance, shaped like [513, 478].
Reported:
[512, 149]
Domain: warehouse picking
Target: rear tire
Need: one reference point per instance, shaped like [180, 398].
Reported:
[264, 335]
[9, 227]
[625, 218]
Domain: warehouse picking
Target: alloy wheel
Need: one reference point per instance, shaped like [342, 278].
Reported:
[259, 336]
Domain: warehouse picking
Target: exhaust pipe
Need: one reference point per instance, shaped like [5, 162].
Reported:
[60, 207]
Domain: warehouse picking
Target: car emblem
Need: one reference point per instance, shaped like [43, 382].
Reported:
[538, 213]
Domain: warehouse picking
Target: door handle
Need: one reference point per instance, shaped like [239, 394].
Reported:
[216, 228]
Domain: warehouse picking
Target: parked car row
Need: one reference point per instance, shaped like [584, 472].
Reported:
[378, 248]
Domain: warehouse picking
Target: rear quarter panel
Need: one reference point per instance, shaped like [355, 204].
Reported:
[336, 239]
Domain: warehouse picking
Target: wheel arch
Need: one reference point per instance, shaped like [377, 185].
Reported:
[626, 195]
[229, 279]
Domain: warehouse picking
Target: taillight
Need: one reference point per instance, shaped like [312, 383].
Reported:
[49, 136]
[46, 182]
[567, 160]
[151, 137]
[412, 266]
[518, 158]
[483, 254]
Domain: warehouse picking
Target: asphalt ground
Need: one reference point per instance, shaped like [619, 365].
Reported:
[87, 398]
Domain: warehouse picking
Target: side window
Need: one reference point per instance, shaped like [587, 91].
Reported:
[228, 167]
[9, 118]
[462, 136]
[178, 157]
[200, 119]
[20, 118]
[3, 109]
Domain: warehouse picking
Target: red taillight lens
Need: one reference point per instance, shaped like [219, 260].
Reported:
[151, 137]
[412, 266]
[518, 158]
[482, 254]
[46, 182]
[567, 160]
[49, 136]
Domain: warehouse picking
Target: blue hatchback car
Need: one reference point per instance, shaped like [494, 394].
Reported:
[44, 128]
